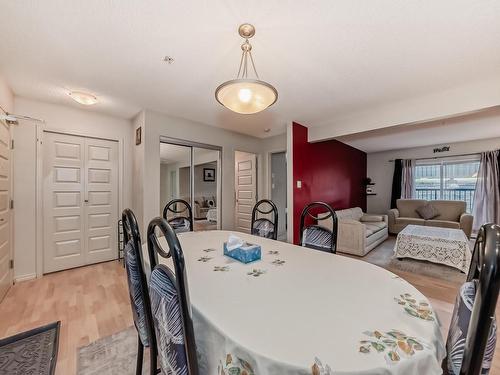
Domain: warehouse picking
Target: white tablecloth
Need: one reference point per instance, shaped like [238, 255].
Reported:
[439, 245]
[310, 314]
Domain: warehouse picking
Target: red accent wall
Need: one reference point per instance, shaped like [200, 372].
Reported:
[330, 171]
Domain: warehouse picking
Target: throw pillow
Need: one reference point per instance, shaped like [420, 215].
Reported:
[457, 335]
[427, 211]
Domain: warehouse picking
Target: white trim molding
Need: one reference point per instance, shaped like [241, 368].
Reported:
[20, 279]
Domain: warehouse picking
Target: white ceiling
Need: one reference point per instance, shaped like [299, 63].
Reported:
[483, 125]
[327, 58]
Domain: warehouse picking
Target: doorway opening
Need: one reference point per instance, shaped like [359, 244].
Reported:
[192, 172]
[278, 190]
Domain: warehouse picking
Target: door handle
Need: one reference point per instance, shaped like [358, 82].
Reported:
[86, 201]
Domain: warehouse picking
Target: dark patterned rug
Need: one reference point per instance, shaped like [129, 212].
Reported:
[30, 352]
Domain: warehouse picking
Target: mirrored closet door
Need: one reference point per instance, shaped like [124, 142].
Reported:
[192, 172]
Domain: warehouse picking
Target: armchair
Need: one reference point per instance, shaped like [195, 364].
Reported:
[359, 233]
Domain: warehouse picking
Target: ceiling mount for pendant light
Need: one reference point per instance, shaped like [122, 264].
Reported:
[246, 95]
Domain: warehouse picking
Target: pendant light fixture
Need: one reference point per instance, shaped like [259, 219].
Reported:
[246, 95]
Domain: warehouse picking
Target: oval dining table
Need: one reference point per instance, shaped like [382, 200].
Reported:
[303, 311]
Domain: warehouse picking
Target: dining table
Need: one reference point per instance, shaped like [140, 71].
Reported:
[302, 311]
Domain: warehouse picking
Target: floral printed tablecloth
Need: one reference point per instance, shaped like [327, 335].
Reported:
[439, 245]
[300, 311]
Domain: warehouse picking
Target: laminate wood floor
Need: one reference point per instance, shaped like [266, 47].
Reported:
[92, 302]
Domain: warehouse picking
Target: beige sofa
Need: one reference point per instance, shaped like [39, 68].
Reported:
[358, 233]
[201, 207]
[451, 215]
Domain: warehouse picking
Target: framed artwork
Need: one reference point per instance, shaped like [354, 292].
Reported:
[209, 174]
[138, 135]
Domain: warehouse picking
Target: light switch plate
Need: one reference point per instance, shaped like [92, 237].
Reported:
[299, 184]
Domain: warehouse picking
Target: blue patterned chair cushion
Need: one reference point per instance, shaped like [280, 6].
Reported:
[136, 296]
[263, 228]
[168, 322]
[455, 344]
[317, 238]
[180, 224]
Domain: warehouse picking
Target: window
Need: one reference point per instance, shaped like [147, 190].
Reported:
[447, 179]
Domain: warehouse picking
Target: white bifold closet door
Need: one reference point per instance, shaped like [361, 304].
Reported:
[80, 201]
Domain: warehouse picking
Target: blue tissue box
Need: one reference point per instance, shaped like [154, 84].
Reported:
[245, 254]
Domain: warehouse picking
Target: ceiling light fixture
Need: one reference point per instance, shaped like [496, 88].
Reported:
[246, 95]
[83, 98]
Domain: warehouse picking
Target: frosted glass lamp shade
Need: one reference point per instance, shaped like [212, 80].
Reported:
[246, 96]
[83, 98]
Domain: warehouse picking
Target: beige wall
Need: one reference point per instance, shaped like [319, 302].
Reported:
[68, 120]
[380, 169]
[137, 151]
[140, 165]
[157, 124]
[6, 96]
[442, 104]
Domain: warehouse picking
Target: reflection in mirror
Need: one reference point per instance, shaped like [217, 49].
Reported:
[193, 174]
[206, 191]
[175, 173]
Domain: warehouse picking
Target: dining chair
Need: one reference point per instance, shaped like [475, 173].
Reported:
[315, 236]
[179, 215]
[472, 336]
[264, 227]
[138, 291]
[170, 304]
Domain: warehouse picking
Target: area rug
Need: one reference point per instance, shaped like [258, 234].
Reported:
[30, 352]
[382, 256]
[112, 355]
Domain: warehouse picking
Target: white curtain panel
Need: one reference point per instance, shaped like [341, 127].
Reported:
[407, 181]
[487, 195]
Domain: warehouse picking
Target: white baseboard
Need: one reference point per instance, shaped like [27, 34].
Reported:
[30, 276]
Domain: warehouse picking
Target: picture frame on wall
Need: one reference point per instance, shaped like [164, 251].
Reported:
[209, 174]
[138, 136]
